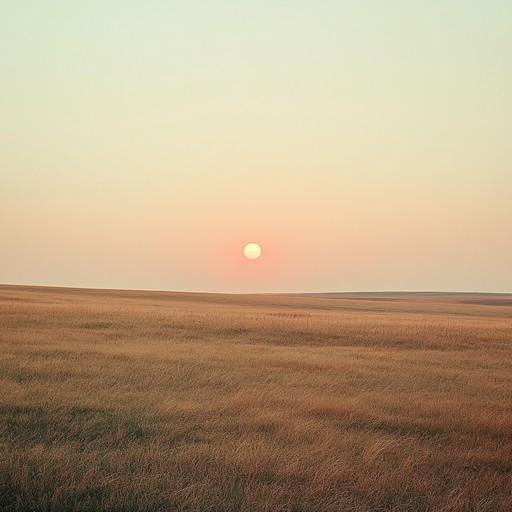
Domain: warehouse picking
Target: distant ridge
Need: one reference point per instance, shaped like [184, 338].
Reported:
[407, 294]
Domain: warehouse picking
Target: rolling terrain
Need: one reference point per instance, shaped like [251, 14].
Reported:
[134, 400]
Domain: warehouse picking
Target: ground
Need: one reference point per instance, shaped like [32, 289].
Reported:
[126, 400]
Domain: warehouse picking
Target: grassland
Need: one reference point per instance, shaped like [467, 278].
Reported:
[117, 400]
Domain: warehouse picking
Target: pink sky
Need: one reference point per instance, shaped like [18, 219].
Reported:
[364, 146]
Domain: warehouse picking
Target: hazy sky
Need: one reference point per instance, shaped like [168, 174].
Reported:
[365, 145]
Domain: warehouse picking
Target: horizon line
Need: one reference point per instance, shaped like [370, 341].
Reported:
[317, 293]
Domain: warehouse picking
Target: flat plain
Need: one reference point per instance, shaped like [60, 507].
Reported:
[132, 400]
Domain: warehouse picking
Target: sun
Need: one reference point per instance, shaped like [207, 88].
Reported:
[252, 251]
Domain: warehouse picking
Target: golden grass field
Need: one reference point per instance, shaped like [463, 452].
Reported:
[126, 400]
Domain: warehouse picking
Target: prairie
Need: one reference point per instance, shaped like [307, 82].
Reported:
[131, 400]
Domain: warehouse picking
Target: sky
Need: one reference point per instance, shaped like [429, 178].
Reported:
[364, 145]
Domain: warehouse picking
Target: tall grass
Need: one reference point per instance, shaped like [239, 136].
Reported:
[114, 400]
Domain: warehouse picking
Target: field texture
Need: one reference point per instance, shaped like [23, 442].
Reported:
[117, 400]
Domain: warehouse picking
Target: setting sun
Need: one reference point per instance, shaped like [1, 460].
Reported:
[252, 251]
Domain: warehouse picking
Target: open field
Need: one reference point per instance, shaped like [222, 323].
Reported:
[120, 400]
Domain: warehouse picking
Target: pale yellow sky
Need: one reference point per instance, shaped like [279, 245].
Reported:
[364, 145]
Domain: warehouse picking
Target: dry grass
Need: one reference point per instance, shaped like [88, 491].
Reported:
[117, 400]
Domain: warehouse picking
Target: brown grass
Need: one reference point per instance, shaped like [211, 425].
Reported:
[113, 400]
